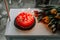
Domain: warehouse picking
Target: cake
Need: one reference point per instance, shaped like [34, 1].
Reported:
[24, 21]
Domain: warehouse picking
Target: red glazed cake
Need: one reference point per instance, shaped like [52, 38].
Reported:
[24, 21]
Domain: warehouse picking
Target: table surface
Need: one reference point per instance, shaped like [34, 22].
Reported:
[11, 30]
